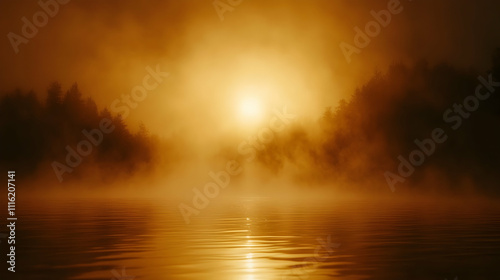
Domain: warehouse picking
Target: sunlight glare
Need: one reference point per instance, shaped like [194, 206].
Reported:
[250, 108]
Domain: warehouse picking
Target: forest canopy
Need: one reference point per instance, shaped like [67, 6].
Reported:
[64, 132]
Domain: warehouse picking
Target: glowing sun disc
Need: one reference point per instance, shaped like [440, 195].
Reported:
[250, 108]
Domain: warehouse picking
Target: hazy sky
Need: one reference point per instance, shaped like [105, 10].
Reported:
[279, 52]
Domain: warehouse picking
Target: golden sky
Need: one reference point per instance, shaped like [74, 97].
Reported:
[263, 54]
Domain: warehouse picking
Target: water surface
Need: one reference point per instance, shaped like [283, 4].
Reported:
[258, 238]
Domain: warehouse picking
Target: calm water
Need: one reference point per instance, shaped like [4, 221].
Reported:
[257, 238]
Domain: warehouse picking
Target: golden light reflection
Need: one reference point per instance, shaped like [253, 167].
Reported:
[250, 266]
[249, 262]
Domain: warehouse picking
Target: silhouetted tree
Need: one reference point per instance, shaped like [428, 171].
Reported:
[35, 133]
[54, 97]
[363, 137]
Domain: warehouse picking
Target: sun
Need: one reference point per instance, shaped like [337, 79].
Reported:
[250, 109]
[250, 103]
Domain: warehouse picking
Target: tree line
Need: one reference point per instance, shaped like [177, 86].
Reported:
[35, 133]
[361, 139]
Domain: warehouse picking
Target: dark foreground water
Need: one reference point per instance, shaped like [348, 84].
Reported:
[257, 239]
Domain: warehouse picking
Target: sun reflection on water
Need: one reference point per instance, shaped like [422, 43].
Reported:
[250, 266]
